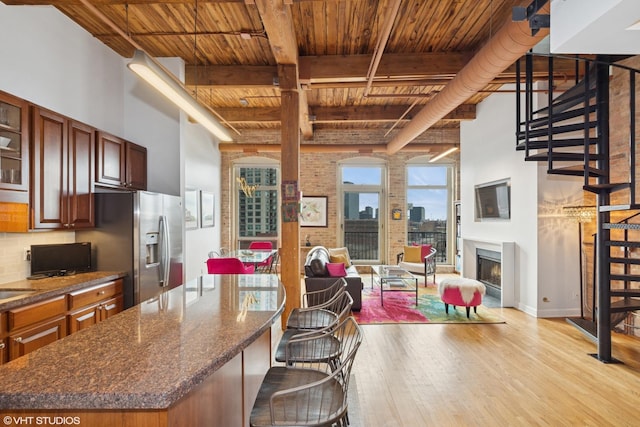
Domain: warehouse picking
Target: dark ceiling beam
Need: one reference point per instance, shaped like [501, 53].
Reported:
[333, 148]
[351, 71]
[279, 26]
[378, 113]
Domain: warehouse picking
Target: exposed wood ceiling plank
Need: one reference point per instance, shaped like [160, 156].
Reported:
[241, 42]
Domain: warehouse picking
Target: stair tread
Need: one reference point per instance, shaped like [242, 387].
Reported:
[621, 226]
[577, 170]
[561, 156]
[559, 117]
[623, 243]
[618, 260]
[588, 327]
[627, 304]
[557, 130]
[559, 143]
[606, 188]
[635, 292]
[628, 207]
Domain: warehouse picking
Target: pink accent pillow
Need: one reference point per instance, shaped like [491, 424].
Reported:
[336, 269]
[424, 251]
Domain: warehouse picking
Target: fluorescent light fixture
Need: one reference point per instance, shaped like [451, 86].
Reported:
[443, 154]
[144, 66]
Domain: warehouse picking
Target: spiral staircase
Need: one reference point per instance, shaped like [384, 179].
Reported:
[572, 136]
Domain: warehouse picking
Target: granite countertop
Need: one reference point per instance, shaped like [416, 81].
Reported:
[151, 355]
[50, 287]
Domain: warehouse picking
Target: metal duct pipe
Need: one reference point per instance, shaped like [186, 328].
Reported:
[512, 41]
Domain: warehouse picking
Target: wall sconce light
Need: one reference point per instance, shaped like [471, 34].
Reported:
[443, 154]
[580, 214]
[247, 189]
[145, 67]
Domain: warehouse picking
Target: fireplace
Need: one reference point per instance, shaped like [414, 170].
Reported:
[489, 271]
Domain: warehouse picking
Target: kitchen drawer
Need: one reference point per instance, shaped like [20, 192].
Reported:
[94, 294]
[34, 313]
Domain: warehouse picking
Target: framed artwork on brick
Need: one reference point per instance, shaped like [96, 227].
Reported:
[313, 211]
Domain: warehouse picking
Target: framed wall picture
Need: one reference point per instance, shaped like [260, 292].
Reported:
[207, 209]
[191, 209]
[313, 211]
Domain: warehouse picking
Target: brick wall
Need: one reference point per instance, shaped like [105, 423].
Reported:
[319, 177]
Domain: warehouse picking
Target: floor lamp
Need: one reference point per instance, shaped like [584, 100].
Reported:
[581, 215]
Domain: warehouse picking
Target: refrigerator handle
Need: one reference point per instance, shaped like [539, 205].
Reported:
[164, 256]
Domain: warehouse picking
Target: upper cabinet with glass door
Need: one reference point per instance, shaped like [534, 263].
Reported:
[13, 143]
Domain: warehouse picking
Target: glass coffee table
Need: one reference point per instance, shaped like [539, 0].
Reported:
[393, 279]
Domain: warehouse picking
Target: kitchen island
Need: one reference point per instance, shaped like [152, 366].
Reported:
[195, 355]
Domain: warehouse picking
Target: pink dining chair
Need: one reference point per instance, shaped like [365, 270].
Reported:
[265, 265]
[228, 266]
[261, 245]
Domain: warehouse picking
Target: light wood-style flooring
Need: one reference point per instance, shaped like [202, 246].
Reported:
[527, 372]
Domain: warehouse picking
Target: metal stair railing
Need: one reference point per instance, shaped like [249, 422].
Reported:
[594, 165]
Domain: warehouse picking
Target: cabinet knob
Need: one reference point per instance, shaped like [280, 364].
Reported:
[18, 339]
[101, 293]
[1, 345]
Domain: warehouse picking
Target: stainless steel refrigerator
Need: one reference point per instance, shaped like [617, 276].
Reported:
[140, 233]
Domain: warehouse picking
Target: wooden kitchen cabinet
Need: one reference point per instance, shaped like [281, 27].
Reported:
[14, 146]
[92, 305]
[36, 325]
[63, 165]
[4, 350]
[120, 163]
[4, 344]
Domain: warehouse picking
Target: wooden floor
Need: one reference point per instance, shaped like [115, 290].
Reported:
[527, 372]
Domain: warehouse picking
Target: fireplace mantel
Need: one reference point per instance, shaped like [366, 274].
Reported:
[507, 260]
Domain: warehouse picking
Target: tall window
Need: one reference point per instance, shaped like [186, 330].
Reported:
[363, 211]
[257, 204]
[429, 190]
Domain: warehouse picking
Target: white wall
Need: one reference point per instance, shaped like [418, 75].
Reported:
[52, 62]
[203, 157]
[578, 26]
[544, 241]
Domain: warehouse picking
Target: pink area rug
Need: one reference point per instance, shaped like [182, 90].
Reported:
[400, 307]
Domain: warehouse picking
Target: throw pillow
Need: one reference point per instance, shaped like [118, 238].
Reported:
[336, 269]
[337, 253]
[339, 259]
[424, 251]
[318, 268]
[412, 254]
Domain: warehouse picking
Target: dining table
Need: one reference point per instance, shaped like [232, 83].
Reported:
[252, 256]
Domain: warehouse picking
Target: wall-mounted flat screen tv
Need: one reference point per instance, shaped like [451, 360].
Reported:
[60, 259]
[493, 200]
